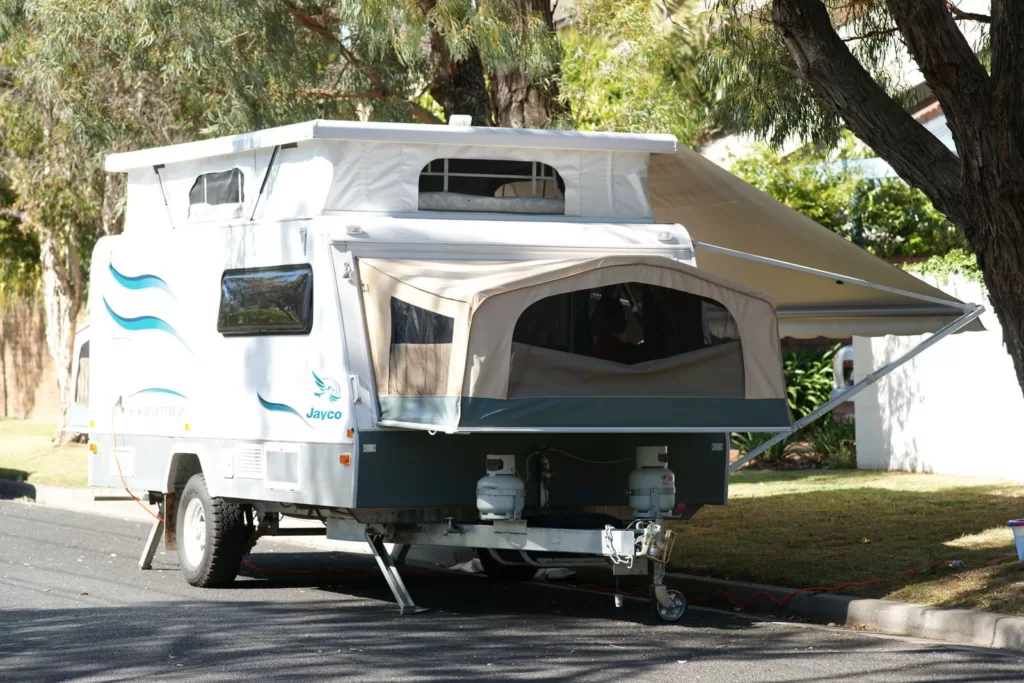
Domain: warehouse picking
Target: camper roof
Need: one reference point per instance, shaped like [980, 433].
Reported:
[403, 133]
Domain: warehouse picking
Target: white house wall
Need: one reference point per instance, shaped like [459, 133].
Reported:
[952, 410]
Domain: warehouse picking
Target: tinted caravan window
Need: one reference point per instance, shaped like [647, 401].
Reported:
[226, 187]
[276, 300]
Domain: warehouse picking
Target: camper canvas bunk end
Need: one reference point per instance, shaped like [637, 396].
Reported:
[449, 336]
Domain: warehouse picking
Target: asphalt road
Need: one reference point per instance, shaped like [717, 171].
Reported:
[73, 606]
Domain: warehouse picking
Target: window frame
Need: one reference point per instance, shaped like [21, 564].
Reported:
[234, 172]
[307, 326]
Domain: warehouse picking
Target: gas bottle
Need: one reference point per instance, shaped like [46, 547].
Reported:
[652, 485]
[500, 494]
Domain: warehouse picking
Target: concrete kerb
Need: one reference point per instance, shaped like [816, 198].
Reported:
[965, 627]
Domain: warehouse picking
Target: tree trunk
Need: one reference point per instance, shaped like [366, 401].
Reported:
[521, 100]
[62, 300]
[457, 85]
[981, 188]
[994, 226]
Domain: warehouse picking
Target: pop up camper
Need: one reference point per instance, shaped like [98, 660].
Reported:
[454, 336]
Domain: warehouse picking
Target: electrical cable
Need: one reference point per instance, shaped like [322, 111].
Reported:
[548, 449]
[117, 461]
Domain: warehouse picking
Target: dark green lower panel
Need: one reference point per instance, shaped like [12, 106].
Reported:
[610, 412]
[412, 469]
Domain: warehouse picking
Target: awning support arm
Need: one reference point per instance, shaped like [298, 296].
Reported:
[966, 319]
[830, 276]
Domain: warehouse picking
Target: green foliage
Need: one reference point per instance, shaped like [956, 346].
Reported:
[885, 216]
[809, 380]
[132, 74]
[627, 69]
[779, 453]
[19, 249]
[834, 443]
[956, 262]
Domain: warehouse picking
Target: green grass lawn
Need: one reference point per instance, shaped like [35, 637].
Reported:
[824, 528]
[27, 453]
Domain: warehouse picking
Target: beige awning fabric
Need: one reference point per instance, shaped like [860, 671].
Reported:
[718, 208]
[463, 315]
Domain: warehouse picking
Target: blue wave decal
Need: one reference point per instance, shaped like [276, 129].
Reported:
[144, 322]
[160, 390]
[144, 281]
[281, 408]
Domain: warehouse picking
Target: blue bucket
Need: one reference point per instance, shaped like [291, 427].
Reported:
[1018, 536]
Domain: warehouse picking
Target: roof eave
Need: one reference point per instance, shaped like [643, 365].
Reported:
[390, 132]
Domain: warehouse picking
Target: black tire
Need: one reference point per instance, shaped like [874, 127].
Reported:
[505, 572]
[226, 535]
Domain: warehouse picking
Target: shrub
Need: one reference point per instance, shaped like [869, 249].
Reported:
[835, 444]
[809, 380]
[809, 384]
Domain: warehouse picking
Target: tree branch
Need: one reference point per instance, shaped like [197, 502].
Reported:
[872, 34]
[12, 213]
[950, 67]
[961, 15]
[379, 91]
[827, 64]
[1008, 63]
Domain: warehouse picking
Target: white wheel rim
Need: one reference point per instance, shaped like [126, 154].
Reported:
[195, 532]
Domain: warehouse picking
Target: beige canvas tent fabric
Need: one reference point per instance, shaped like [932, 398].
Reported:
[718, 208]
[485, 299]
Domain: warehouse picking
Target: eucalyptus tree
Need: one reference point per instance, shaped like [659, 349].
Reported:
[82, 78]
[810, 67]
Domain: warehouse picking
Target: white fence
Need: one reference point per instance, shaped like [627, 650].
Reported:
[955, 409]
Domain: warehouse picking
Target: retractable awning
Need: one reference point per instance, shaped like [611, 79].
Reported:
[738, 230]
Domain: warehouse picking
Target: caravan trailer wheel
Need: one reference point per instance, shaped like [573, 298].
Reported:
[211, 536]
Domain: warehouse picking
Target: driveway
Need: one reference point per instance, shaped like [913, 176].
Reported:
[73, 606]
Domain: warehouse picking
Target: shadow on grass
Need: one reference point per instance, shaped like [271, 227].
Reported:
[824, 538]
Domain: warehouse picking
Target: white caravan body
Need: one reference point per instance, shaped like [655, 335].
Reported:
[268, 416]
[355, 322]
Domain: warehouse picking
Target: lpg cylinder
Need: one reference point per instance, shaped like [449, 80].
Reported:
[652, 485]
[500, 494]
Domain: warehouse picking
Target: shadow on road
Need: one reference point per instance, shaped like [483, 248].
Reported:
[13, 485]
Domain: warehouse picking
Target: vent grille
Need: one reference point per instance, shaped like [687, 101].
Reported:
[126, 457]
[249, 462]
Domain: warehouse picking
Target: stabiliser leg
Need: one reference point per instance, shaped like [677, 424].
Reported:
[391, 575]
[400, 553]
[155, 536]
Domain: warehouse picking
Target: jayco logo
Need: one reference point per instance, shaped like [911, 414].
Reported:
[315, 414]
[329, 389]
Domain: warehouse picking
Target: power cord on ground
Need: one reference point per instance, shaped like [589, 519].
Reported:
[117, 461]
